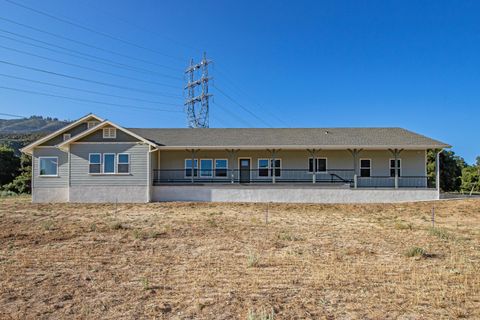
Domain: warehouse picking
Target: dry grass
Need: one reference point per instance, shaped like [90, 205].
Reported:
[221, 261]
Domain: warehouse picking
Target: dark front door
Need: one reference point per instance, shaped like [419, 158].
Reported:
[244, 170]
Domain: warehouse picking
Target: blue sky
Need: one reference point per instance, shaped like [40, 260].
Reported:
[412, 64]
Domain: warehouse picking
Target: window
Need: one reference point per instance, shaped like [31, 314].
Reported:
[267, 167]
[188, 168]
[123, 163]
[109, 163]
[48, 166]
[206, 168]
[320, 165]
[109, 133]
[95, 163]
[392, 167]
[263, 167]
[66, 136]
[365, 167]
[91, 124]
[221, 166]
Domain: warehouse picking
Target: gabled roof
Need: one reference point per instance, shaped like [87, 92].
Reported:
[100, 126]
[28, 149]
[328, 138]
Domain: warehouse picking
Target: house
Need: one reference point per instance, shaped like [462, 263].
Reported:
[95, 160]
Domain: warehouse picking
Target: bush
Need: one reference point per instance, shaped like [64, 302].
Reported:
[415, 252]
[262, 315]
[252, 259]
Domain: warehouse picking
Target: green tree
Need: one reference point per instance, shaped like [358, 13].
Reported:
[9, 165]
[22, 182]
[471, 179]
[451, 167]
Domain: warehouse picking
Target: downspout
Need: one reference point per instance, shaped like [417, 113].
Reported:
[437, 174]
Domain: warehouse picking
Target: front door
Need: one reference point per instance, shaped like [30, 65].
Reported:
[244, 170]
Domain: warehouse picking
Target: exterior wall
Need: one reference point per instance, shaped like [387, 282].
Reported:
[109, 194]
[50, 189]
[413, 161]
[97, 136]
[138, 175]
[289, 194]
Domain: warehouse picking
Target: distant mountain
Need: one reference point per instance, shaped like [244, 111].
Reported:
[17, 133]
[32, 124]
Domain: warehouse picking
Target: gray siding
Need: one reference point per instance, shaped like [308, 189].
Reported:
[138, 176]
[97, 136]
[50, 182]
[59, 138]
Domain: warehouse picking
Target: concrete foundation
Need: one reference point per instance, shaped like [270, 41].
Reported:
[109, 194]
[47, 195]
[289, 194]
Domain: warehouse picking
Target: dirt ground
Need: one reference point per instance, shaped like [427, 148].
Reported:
[223, 261]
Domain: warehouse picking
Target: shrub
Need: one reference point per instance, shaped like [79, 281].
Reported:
[440, 233]
[415, 252]
[399, 225]
[262, 315]
[48, 225]
[252, 259]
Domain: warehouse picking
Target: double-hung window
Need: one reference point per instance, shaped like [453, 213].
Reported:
[123, 163]
[94, 163]
[392, 167]
[48, 166]
[206, 168]
[188, 168]
[109, 163]
[320, 165]
[269, 167]
[221, 167]
[365, 167]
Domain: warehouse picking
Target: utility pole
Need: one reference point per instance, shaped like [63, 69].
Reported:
[197, 105]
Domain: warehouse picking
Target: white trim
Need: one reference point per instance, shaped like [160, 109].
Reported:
[100, 126]
[303, 147]
[128, 163]
[200, 169]
[314, 165]
[193, 168]
[390, 167]
[114, 164]
[90, 163]
[67, 136]
[238, 163]
[215, 167]
[40, 167]
[109, 133]
[28, 149]
[360, 167]
[94, 124]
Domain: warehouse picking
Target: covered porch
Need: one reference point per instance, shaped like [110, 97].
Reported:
[390, 168]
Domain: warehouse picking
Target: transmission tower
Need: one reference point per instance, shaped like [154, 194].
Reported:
[197, 101]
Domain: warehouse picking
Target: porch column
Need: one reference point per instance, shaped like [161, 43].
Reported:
[273, 153]
[232, 154]
[355, 153]
[194, 153]
[396, 154]
[313, 154]
[437, 173]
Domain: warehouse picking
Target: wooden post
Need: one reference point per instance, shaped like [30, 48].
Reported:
[273, 153]
[313, 154]
[231, 163]
[193, 152]
[355, 153]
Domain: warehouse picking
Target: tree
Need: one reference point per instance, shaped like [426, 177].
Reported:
[471, 179]
[9, 165]
[451, 167]
[22, 182]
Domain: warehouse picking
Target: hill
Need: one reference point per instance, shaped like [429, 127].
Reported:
[17, 133]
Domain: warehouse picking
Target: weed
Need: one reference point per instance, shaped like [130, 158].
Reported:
[288, 237]
[143, 235]
[48, 225]
[117, 225]
[145, 284]
[400, 225]
[252, 259]
[93, 227]
[262, 315]
[415, 252]
[440, 233]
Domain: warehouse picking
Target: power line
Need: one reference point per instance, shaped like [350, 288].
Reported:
[88, 91]
[63, 20]
[243, 92]
[88, 100]
[233, 115]
[11, 115]
[241, 106]
[89, 45]
[88, 80]
[93, 58]
[88, 68]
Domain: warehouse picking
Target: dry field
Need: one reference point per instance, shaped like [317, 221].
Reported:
[223, 261]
